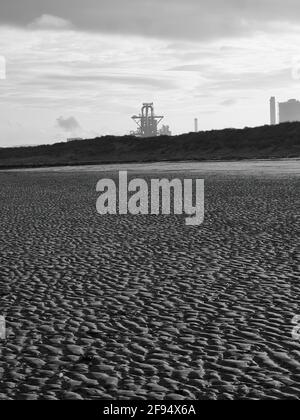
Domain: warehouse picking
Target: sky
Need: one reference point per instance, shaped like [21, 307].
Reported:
[73, 68]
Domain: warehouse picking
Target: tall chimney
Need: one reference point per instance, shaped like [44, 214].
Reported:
[196, 125]
[273, 110]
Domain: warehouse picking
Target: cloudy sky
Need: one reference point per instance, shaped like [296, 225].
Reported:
[82, 68]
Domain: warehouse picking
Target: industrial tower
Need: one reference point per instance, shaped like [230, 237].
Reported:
[147, 121]
[273, 110]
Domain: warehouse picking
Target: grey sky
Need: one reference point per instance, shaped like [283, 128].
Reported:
[182, 19]
[97, 61]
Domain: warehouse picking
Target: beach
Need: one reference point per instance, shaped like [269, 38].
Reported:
[145, 307]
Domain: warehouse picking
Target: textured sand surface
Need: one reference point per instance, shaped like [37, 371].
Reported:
[145, 307]
[254, 167]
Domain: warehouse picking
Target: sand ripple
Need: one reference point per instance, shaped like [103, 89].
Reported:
[144, 307]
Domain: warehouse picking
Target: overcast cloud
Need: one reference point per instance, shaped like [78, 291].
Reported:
[188, 19]
[99, 60]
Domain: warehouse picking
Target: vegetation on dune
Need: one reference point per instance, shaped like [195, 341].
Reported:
[280, 141]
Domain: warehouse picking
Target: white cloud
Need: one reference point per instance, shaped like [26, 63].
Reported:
[2, 68]
[50, 22]
[101, 80]
[229, 102]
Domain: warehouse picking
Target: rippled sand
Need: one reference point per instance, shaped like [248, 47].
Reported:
[145, 307]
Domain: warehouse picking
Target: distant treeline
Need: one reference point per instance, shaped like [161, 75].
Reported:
[280, 141]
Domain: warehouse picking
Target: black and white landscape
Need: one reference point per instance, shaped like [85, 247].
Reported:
[143, 307]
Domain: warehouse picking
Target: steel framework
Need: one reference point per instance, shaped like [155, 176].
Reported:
[147, 121]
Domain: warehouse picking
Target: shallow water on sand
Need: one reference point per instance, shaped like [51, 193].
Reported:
[258, 167]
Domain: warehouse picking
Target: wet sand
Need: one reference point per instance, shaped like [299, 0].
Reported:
[249, 167]
[127, 307]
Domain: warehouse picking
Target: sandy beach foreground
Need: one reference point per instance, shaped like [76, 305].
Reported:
[127, 307]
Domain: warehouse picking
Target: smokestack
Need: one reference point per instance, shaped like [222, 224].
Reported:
[273, 110]
[196, 125]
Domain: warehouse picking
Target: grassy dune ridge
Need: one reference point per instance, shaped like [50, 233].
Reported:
[280, 141]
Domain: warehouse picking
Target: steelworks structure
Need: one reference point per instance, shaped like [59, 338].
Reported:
[147, 121]
[289, 111]
[273, 110]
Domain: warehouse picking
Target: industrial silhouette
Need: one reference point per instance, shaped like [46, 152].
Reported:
[288, 111]
[273, 110]
[165, 131]
[147, 121]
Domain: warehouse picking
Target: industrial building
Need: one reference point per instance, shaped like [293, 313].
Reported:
[147, 121]
[165, 131]
[288, 111]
